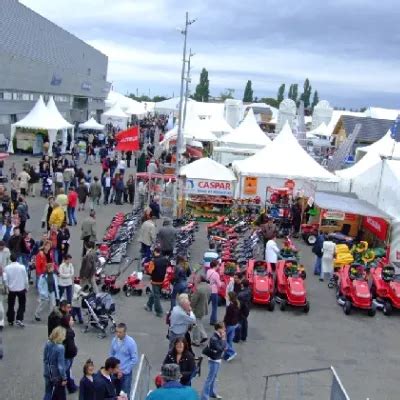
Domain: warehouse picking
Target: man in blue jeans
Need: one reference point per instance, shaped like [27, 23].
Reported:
[124, 348]
[215, 283]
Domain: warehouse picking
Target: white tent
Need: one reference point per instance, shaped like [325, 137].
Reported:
[169, 105]
[40, 117]
[381, 113]
[208, 169]
[116, 116]
[348, 175]
[136, 109]
[248, 134]
[91, 124]
[385, 146]
[124, 102]
[321, 130]
[284, 158]
[218, 126]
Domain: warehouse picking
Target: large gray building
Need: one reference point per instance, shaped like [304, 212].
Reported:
[38, 57]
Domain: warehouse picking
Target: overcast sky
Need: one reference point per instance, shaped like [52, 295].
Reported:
[349, 49]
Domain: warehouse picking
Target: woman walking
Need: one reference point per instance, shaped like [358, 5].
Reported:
[71, 351]
[65, 278]
[82, 191]
[55, 376]
[214, 351]
[231, 321]
[181, 355]
[87, 390]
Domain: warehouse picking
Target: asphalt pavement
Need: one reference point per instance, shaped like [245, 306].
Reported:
[363, 350]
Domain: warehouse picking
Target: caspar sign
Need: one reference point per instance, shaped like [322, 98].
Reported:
[209, 187]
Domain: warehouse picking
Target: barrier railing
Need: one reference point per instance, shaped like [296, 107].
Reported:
[312, 384]
[141, 383]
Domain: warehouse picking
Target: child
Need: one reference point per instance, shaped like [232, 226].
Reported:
[86, 386]
[76, 303]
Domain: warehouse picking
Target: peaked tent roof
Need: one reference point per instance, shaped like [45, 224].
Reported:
[322, 130]
[381, 113]
[136, 109]
[196, 129]
[386, 147]
[40, 118]
[247, 133]
[115, 111]
[51, 106]
[124, 101]
[368, 161]
[169, 104]
[284, 158]
[205, 168]
[91, 124]
[219, 124]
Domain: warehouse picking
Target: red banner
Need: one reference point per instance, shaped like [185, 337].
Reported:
[128, 140]
[378, 226]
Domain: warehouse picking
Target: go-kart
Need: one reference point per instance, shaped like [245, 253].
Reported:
[386, 288]
[353, 290]
[290, 287]
[309, 233]
[261, 279]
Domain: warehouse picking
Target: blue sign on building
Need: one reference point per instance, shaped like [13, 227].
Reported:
[56, 80]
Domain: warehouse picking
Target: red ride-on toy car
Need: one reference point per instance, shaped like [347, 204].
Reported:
[386, 288]
[261, 279]
[134, 285]
[353, 290]
[290, 287]
[309, 233]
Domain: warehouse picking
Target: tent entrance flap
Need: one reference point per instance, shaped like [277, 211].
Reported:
[348, 204]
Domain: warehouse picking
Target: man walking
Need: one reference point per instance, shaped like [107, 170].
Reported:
[95, 192]
[88, 230]
[199, 303]
[147, 236]
[106, 183]
[124, 348]
[16, 283]
[88, 267]
[72, 203]
[4, 260]
[166, 237]
[158, 268]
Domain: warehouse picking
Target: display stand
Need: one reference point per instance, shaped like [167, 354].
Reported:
[207, 207]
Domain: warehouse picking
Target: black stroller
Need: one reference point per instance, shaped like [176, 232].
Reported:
[100, 308]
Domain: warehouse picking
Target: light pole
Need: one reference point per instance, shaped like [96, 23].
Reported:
[188, 80]
[179, 139]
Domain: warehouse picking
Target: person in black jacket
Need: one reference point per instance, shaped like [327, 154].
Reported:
[104, 387]
[57, 314]
[181, 355]
[244, 298]
[214, 350]
[87, 390]
[231, 322]
[159, 266]
[71, 351]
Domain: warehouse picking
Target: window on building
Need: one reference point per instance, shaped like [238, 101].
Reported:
[13, 118]
[89, 71]
[25, 96]
[4, 119]
[7, 96]
[1, 96]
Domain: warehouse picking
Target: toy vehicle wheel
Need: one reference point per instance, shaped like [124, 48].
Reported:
[347, 307]
[311, 239]
[112, 328]
[387, 308]
[125, 288]
[283, 305]
[271, 305]
[372, 311]
[306, 308]
[128, 292]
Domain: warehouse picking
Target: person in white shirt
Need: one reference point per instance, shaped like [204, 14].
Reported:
[65, 278]
[16, 282]
[272, 252]
[4, 260]
[328, 254]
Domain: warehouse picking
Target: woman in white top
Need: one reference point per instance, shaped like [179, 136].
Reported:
[272, 252]
[66, 277]
[328, 254]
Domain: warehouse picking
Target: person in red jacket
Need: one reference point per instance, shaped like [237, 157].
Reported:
[43, 257]
[72, 203]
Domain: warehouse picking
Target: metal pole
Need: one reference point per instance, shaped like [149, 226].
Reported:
[187, 87]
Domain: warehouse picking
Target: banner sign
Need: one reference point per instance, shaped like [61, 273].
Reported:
[378, 226]
[209, 187]
[250, 185]
[128, 140]
[334, 215]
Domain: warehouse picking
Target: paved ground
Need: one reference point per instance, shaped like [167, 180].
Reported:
[364, 350]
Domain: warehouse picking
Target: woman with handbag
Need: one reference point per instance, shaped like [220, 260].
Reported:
[214, 350]
[55, 376]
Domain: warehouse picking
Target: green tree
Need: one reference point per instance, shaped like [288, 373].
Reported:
[248, 93]
[293, 92]
[202, 92]
[306, 95]
[270, 101]
[156, 99]
[227, 94]
[315, 99]
[281, 93]
[290, 94]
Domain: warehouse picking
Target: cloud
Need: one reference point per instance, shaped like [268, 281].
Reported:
[347, 48]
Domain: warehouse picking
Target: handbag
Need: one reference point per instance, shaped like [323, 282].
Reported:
[208, 352]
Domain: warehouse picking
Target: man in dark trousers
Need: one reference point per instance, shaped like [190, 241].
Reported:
[166, 237]
[57, 315]
[103, 384]
[88, 268]
[158, 267]
[244, 298]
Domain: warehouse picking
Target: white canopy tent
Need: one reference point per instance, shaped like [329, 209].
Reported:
[116, 116]
[321, 130]
[166, 106]
[136, 109]
[91, 124]
[284, 158]
[385, 147]
[206, 168]
[218, 126]
[40, 117]
[51, 105]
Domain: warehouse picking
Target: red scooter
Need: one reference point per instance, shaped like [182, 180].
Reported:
[261, 279]
[353, 290]
[386, 288]
[290, 287]
[134, 285]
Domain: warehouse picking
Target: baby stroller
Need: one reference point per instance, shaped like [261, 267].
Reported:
[100, 308]
[46, 190]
